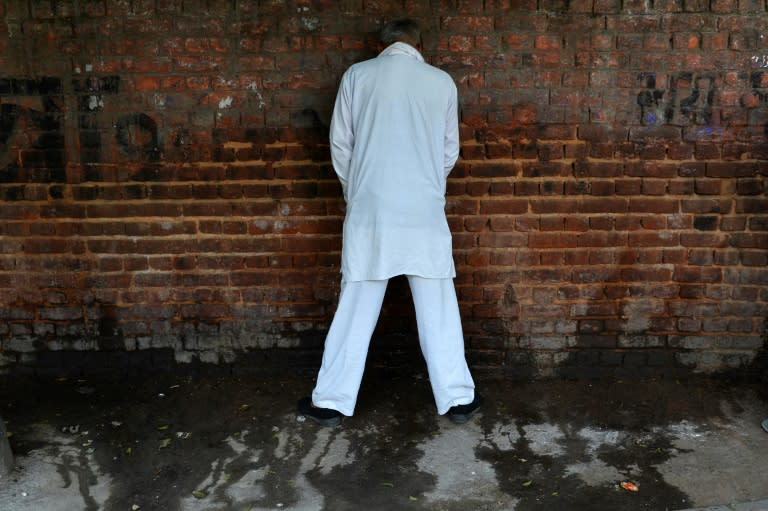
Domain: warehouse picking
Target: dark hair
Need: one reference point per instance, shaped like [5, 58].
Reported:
[401, 29]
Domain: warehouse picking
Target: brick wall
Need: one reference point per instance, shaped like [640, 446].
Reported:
[166, 192]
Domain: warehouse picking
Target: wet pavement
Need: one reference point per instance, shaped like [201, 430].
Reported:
[221, 443]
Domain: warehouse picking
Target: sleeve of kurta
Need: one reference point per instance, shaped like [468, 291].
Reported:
[451, 134]
[342, 136]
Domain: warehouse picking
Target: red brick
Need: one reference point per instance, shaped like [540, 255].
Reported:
[707, 186]
[696, 274]
[628, 186]
[680, 187]
[503, 240]
[602, 188]
[679, 151]
[656, 42]
[519, 41]
[503, 206]
[480, 259]
[472, 151]
[705, 205]
[553, 205]
[146, 83]
[526, 187]
[468, 24]
[547, 42]
[703, 240]
[603, 205]
[598, 169]
[750, 186]
[653, 239]
[494, 169]
[654, 187]
[462, 206]
[576, 223]
[475, 224]
[602, 239]
[749, 240]
[653, 169]
[460, 43]
[752, 205]
[552, 223]
[543, 240]
[653, 205]
[706, 151]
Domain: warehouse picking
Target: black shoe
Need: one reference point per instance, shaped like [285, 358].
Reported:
[460, 414]
[323, 416]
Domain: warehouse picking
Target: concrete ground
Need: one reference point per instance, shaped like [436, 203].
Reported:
[234, 443]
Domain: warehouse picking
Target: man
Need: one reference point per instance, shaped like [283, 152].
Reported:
[394, 139]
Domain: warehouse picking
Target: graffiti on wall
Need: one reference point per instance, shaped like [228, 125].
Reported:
[689, 98]
[759, 60]
[33, 124]
[687, 101]
[31, 128]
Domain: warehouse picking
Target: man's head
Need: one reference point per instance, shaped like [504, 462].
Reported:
[404, 30]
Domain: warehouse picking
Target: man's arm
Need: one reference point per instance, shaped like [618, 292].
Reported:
[342, 135]
[451, 134]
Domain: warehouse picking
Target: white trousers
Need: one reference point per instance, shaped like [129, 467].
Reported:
[440, 337]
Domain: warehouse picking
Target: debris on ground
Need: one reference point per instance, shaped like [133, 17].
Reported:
[630, 486]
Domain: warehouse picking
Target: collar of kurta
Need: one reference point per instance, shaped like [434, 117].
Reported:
[401, 48]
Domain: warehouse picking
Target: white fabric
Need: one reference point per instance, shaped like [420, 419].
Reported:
[440, 338]
[394, 139]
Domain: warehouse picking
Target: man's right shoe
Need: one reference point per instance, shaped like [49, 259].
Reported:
[460, 414]
[324, 416]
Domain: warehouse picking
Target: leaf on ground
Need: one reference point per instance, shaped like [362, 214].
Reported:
[630, 486]
[165, 442]
[388, 485]
[527, 483]
[199, 494]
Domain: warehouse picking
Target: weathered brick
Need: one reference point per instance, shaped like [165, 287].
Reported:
[220, 189]
[505, 206]
[645, 205]
[705, 205]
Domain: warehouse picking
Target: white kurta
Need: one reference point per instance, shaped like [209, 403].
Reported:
[394, 139]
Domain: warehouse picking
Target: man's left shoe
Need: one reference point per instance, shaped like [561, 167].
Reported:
[324, 416]
[460, 414]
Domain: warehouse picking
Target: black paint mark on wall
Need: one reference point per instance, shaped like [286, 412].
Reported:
[137, 137]
[31, 130]
[32, 127]
[652, 112]
[758, 109]
[688, 100]
[696, 107]
[45, 86]
[90, 102]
